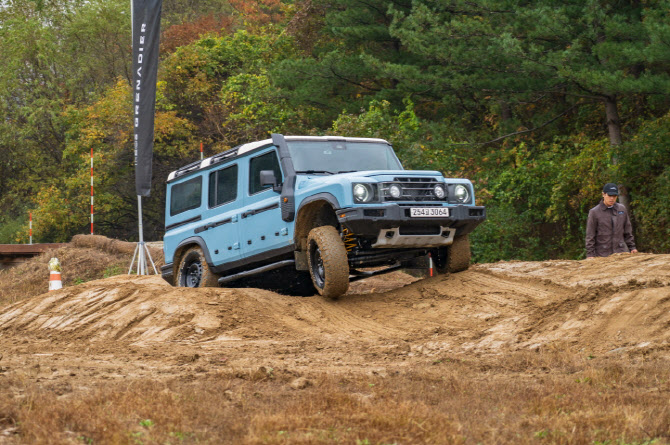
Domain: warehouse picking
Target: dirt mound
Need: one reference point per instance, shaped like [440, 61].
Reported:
[85, 258]
[604, 305]
[555, 344]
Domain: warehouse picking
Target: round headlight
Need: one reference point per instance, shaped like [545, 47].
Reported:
[362, 193]
[461, 193]
[395, 191]
[439, 192]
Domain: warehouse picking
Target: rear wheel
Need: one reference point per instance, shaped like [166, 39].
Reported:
[327, 259]
[194, 270]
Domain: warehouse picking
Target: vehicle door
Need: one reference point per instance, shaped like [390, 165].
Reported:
[220, 225]
[262, 229]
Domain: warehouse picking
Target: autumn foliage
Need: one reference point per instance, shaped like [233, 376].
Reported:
[538, 105]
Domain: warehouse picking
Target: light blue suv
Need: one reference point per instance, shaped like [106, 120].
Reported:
[303, 213]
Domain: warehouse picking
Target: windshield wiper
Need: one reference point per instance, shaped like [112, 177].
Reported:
[347, 171]
[309, 172]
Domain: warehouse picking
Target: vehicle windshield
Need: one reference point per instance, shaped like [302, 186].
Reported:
[330, 157]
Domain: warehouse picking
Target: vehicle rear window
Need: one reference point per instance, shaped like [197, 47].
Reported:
[223, 186]
[186, 196]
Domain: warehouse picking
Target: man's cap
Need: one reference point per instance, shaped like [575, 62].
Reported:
[611, 189]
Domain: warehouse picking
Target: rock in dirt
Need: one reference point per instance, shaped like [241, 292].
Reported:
[301, 383]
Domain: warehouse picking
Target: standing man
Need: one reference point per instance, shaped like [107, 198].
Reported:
[608, 229]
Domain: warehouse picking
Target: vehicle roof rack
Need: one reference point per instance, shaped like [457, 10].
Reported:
[187, 168]
[223, 156]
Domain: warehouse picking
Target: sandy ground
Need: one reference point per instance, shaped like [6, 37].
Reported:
[129, 326]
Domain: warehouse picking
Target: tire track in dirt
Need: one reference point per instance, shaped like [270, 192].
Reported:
[490, 308]
[314, 316]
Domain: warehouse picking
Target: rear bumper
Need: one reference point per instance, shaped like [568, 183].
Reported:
[392, 226]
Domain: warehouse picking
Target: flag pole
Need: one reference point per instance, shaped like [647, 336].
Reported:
[141, 250]
[91, 190]
[145, 23]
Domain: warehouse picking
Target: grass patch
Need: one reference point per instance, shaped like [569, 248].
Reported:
[523, 398]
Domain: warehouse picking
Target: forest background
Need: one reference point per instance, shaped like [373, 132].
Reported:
[539, 103]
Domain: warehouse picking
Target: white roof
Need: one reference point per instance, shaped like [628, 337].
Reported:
[258, 144]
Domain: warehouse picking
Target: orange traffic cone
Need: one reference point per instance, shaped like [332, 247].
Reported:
[430, 264]
[55, 282]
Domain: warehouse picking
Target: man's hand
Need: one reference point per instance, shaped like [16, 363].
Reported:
[633, 251]
[590, 257]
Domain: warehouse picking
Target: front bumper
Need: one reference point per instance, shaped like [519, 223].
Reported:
[391, 225]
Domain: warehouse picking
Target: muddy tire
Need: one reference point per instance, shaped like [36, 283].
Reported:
[458, 255]
[327, 259]
[194, 271]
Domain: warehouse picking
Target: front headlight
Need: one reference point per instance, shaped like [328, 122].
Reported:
[461, 193]
[363, 192]
[395, 191]
[439, 191]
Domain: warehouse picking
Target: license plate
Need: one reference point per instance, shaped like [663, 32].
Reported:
[428, 212]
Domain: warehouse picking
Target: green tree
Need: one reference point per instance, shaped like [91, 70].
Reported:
[564, 53]
[341, 72]
[55, 54]
[221, 84]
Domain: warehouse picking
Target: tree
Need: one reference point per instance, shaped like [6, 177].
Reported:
[342, 73]
[566, 53]
[221, 85]
[55, 54]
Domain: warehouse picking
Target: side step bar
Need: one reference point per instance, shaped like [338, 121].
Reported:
[355, 275]
[256, 271]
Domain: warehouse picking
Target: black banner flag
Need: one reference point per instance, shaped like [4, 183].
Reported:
[146, 18]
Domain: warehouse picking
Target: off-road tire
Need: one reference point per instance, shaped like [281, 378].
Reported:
[327, 260]
[458, 255]
[194, 271]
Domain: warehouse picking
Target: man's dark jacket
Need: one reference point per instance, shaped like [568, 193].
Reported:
[608, 231]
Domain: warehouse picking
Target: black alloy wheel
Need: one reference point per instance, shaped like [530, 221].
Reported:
[194, 271]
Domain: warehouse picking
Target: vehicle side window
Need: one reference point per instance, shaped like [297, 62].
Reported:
[186, 196]
[267, 161]
[223, 186]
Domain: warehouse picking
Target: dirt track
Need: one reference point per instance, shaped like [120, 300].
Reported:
[140, 326]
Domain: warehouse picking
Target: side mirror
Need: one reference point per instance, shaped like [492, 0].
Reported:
[268, 178]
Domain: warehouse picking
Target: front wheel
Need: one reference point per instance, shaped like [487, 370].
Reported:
[458, 258]
[453, 258]
[327, 259]
[194, 270]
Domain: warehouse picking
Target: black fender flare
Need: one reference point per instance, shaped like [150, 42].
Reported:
[324, 196]
[190, 241]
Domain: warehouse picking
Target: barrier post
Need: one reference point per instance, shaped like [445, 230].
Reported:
[91, 190]
[430, 264]
[55, 281]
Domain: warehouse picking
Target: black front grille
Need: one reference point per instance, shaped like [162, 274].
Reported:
[413, 189]
[420, 230]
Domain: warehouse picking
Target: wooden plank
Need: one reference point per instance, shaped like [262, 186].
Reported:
[27, 249]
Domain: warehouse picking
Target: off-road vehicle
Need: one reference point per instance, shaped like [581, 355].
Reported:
[305, 213]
